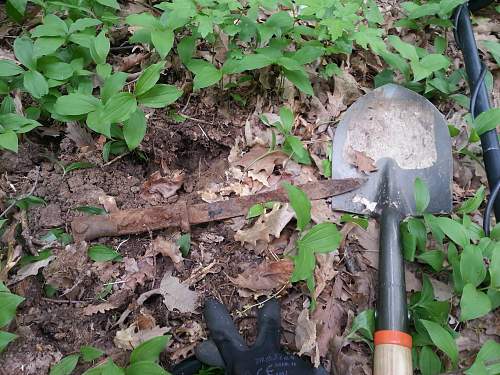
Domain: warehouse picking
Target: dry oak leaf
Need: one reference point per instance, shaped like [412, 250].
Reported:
[271, 223]
[176, 295]
[131, 337]
[101, 308]
[256, 160]
[266, 276]
[305, 336]
[170, 249]
[166, 186]
[363, 162]
[138, 271]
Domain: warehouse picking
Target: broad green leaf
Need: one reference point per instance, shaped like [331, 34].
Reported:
[409, 242]
[348, 218]
[103, 253]
[304, 264]
[30, 201]
[9, 68]
[77, 165]
[472, 204]
[493, 47]
[428, 362]
[108, 368]
[442, 339]
[59, 71]
[99, 48]
[184, 243]
[150, 350]
[495, 268]
[110, 3]
[119, 107]
[364, 323]
[322, 238]
[35, 84]
[28, 259]
[300, 79]
[23, 49]
[134, 129]
[300, 204]
[83, 23]
[112, 85]
[454, 260]
[76, 104]
[46, 46]
[89, 353]
[417, 228]
[294, 147]
[473, 303]
[148, 78]
[65, 366]
[247, 62]
[437, 233]
[307, 54]
[255, 210]
[146, 20]
[103, 70]
[487, 121]
[472, 266]
[9, 141]
[15, 9]
[407, 50]
[205, 74]
[5, 339]
[435, 62]
[453, 230]
[422, 195]
[163, 41]
[433, 258]
[52, 26]
[145, 368]
[160, 96]
[96, 122]
[185, 49]
[287, 119]
[91, 210]
[8, 306]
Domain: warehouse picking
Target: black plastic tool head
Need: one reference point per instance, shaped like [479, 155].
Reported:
[405, 137]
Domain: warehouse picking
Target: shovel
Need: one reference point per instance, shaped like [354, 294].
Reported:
[396, 135]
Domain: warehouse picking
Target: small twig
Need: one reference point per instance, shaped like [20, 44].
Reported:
[116, 159]
[240, 313]
[62, 300]
[186, 105]
[24, 195]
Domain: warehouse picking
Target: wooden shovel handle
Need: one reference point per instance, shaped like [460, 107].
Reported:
[392, 353]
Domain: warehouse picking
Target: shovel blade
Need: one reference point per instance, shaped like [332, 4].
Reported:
[404, 137]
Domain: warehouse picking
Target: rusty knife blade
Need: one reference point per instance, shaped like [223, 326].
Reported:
[206, 212]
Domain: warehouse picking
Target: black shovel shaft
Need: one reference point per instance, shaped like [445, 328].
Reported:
[392, 313]
[473, 66]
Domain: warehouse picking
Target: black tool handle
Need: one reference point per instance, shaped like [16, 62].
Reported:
[392, 341]
[478, 4]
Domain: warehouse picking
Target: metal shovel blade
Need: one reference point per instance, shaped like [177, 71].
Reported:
[392, 136]
[406, 137]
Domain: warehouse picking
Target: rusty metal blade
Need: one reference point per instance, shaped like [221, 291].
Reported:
[205, 212]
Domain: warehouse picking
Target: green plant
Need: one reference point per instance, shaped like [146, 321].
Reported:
[103, 253]
[8, 306]
[143, 360]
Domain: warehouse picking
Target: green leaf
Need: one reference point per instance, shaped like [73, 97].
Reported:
[307, 54]
[9, 68]
[134, 129]
[247, 62]
[52, 26]
[23, 49]
[300, 79]
[205, 74]
[5, 339]
[408, 51]
[83, 23]
[89, 353]
[150, 350]
[65, 366]
[59, 71]
[453, 230]
[110, 3]
[96, 122]
[322, 238]
[473, 303]
[435, 62]
[77, 165]
[91, 210]
[304, 264]
[119, 107]
[160, 96]
[15, 9]
[148, 78]
[163, 41]
[184, 243]
[300, 204]
[409, 242]
[294, 147]
[363, 323]
[454, 260]
[255, 210]
[428, 362]
[8, 305]
[185, 49]
[433, 258]
[442, 339]
[472, 204]
[287, 119]
[348, 218]
[99, 48]
[8, 141]
[103, 253]
[495, 268]
[145, 368]
[29, 201]
[76, 104]
[472, 266]
[422, 196]
[108, 368]
[112, 85]
[493, 48]
[35, 84]
[487, 121]
[103, 70]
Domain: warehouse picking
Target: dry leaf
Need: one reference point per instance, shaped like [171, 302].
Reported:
[132, 337]
[363, 162]
[31, 269]
[175, 294]
[260, 164]
[108, 202]
[138, 272]
[325, 270]
[131, 60]
[169, 249]
[101, 308]
[305, 337]
[265, 276]
[165, 186]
